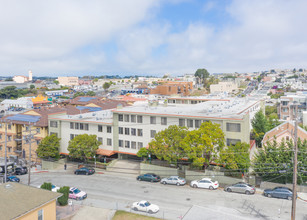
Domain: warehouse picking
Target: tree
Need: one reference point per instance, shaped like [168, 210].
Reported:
[236, 157]
[77, 94]
[47, 186]
[56, 82]
[202, 145]
[49, 147]
[83, 146]
[91, 93]
[63, 200]
[143, 152]
[168, 144]
[260, 127]
[202, 74]
[32, 86]
[106, 86]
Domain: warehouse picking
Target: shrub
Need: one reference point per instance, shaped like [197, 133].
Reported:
[47, 186]
[63, 200]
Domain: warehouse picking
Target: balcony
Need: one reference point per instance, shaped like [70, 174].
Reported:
[18, 149]
[18, 138]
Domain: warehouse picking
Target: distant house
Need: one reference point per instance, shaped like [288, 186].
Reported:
[20, 201]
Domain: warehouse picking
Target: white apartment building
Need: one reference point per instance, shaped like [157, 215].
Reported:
[68, 80]
[223, 87]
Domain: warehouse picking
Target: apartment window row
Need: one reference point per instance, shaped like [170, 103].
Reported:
[78, 126]
[132, 131]
[130, 144]
[53, 124]
[233, 127]
[100, 129]
[190, 123]
[130, 118]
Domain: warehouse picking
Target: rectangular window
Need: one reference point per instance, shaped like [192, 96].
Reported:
[37, 142]
[197, 123]
[71, 125]
[133, 118]
[127, 144]
[0, 148]
[9, 138]
[109, 129]
[190, 123]
[53, 124]
[72, 136]
[140, 145]
[81, 126]
[86, 127]
[232, 141]
[120, 130]
[38, 130]
[9, 149]
[9, 126]
[153, 120]
[233, 127]
[152, 133]
[133, 145]
[100, 140]
[99, 128]
[181, 122]
[120, 143]
[127, 131]
[120, 117]
[0, 125]
[140, 132]
[126, 118]
[77, 126]
[133, 131]
[40, 214]
[109, 141]
[163, 121]
[140, 118]
[0, 136]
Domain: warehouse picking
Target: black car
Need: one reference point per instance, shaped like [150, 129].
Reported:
[150, 177]
[21, 170]
[85, 171]
[279, 192]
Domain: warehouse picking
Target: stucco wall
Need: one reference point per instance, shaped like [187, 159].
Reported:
[49, 212]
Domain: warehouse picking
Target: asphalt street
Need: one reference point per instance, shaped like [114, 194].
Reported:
[117, 191]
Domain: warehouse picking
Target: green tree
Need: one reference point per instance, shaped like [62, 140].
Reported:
[63, 200]
[77, 94]
[32, 86]
[143, 152]
[202, 145]
[202, 74]
[47, 186]
[168, 144]
[272, 121]
[91, 93]
[236, 157]
[49, 147]
[260, 127]
[56, 82]
[106, 86]
[83, 146]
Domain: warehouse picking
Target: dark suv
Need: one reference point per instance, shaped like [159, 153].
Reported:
[150, 177]
[85, 171]
[21, 170]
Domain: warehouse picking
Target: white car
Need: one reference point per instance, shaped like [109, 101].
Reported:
[54, 188]
[145, 206]
[206, 183]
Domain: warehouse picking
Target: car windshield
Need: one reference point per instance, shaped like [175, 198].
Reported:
[76, 191]
[147, 204]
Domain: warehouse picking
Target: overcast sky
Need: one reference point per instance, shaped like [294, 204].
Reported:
[150, 37]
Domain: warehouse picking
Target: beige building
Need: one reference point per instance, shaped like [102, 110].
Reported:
[68, 80]
[223, 87]
[22, 202]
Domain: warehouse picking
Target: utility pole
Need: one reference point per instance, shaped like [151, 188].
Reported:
[28, 139]
[293, 208]
[5, 154]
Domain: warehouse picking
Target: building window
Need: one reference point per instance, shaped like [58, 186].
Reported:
[287, 138]
[81, 126]
[9, 149]
[133, 145]
[233, 127]
[40, 214]
[109, 141]
[284, 109]
[153, 120]
[100, 140]
[181, 122]
[86, 127]
[9, 138]
[0, 147]
[0, 136]
[127, 131]
[99, 128]
[126, 118]
[133, 131]
[37, 142]
[127, 144]
[190, 123]
[71, 125]
[140, 118]
[120, 117]
[54, 133]
[120, 143]
[77, 126]
[232, 141]
[163, 121]
[140, 132]
[152, 133]
[53, 124]
[72, 136]
[133, 118]
[0, 125]
[140, 145]
[120, 130]
[197, 123]
[109, 129]
[9, 126]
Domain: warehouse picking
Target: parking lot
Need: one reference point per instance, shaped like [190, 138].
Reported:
[117, 191]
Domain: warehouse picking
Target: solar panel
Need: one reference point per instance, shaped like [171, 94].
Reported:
[25, 118]
[91, 109]
[86, 99]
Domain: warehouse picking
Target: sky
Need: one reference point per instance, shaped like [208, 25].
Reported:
[150, 37]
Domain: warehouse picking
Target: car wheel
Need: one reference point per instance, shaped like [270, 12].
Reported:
[151, 181]
[195, 186]
[139, 179]
[265, 194]
[86, 173]
[178, 184]
[289, 198]
[76, 173]
[269, 195]
[211, 187]
[164, 182]
[229, 190]
[247, 192]
[135, 209]
[150, 212]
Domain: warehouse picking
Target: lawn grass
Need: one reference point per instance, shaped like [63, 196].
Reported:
[123, 215]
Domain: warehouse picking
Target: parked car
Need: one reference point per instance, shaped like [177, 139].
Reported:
[175, 180]
[241, 187]
[12, 179]
[279, 192]
[206, 183]
[85, 171]
[151, 177]
[21, 170]
[75, 193]
[54, 188]
[145, 206]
